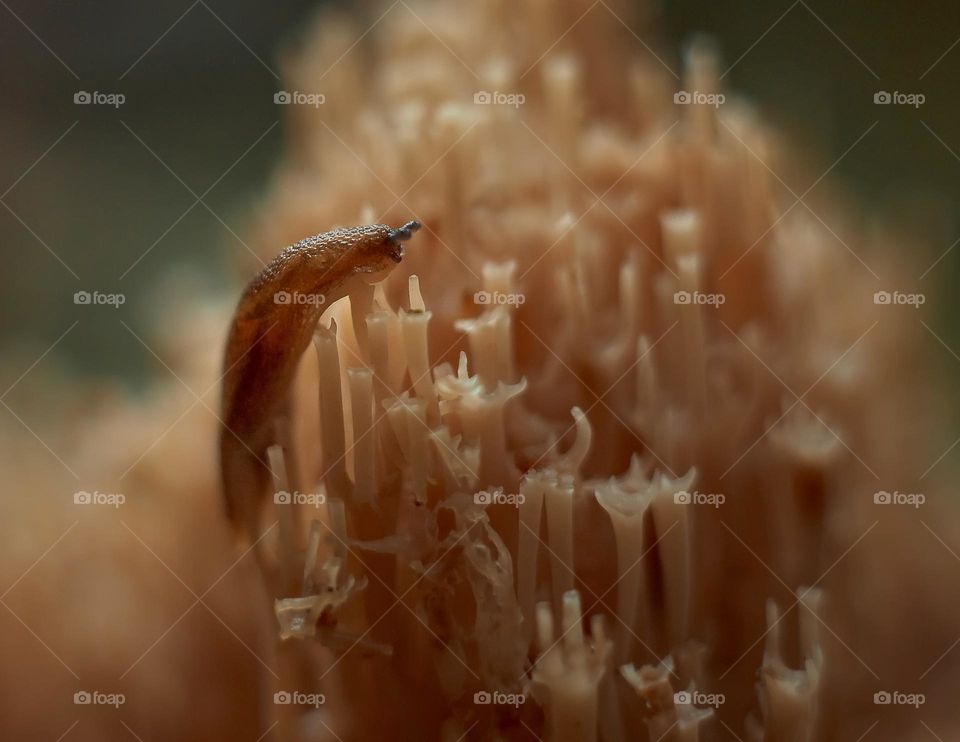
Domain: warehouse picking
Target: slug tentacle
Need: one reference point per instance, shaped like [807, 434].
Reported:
[401, 235]
[271, 328]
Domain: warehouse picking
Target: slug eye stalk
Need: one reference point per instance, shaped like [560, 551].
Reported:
[401, 235]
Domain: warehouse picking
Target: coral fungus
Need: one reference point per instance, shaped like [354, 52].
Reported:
[553, 445]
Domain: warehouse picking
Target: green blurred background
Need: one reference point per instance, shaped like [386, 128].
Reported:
[199, 81]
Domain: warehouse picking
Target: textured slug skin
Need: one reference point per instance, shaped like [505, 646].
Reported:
[267, 338]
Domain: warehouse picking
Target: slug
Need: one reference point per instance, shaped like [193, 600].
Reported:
[271, 328]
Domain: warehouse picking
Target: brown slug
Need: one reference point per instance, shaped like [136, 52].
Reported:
[272, 326]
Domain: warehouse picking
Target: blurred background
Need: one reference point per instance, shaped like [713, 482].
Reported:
[118, 197]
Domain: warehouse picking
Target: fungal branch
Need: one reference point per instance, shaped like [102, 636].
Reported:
[669, 714]
[570, 668]
[789, 697]
[645, 515]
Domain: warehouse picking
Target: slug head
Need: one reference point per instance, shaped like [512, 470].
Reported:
[381, 248]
